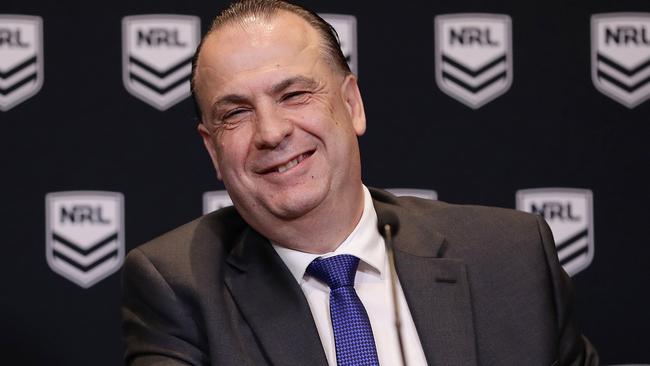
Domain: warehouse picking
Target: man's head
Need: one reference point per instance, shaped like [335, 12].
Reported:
[240, 11]
[280, 116]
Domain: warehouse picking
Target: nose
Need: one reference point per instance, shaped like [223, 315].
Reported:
[272, 127]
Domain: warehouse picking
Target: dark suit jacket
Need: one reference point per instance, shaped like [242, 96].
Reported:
[484, 287]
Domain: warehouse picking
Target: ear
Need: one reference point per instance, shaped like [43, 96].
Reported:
[209, 146]
[352, 99]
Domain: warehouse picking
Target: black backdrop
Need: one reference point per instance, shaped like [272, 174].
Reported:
[84, 131]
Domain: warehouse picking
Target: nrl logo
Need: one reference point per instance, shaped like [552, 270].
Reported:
[421, 193]
[21, 59]
[620, 56]
[215, 200]
[473, 56]
[157, 55]
[346, 28]
[84, 235]
[569, 214]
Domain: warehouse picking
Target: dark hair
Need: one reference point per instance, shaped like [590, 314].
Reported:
[242, 9]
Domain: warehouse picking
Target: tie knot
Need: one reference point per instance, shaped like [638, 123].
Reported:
[336, 271]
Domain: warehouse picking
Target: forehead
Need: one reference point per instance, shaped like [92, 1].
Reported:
[256, 45]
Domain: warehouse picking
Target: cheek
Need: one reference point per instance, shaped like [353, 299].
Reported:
[232, 148]
[318, 118]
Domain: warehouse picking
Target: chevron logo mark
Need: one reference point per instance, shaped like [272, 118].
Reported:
[157, 51]
[569, 214]
[21, 59]
[620, 56]
[84, 235]
[473, 56]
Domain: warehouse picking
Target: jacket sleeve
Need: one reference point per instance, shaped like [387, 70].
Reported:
[157, 328]
[573, 348]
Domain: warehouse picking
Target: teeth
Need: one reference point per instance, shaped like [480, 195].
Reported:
[292, 163]
[289, 165]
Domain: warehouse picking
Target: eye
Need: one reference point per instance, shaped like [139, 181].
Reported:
[298, 95]
[230, 118]
[232, 113]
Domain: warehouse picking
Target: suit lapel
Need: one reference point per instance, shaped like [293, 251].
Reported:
[436, 288]
[438, 296]
[272, 303]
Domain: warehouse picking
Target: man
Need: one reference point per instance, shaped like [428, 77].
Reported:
[280, 115]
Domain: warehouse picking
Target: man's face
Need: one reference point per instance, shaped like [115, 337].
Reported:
[279, 122]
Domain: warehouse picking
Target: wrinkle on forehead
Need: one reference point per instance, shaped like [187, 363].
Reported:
[283, 38]
[214, 71]
[243, 75]
[262, 31]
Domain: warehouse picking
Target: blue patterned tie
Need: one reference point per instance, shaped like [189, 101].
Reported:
[353, 338]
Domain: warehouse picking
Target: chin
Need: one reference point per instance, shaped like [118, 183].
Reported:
[294, 205]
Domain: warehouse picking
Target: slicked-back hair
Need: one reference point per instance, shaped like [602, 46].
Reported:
[240, 10]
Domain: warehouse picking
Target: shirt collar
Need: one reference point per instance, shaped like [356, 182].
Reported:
[364, 242]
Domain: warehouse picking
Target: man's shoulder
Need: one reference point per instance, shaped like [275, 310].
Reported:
[467, 224]
[214, 232]
[458, 214]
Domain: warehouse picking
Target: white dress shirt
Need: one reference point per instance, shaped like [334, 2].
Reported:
[373, 285]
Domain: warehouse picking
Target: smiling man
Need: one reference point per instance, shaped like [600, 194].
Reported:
[280, 120]
[297, 273]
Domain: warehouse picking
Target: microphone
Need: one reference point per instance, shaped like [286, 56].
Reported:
[388, 225]
[388, 222]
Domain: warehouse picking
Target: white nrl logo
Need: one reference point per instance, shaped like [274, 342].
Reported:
[157, 55]
[346, 27]
[414, 192]
[620, 56]
[84, 234]
[569, 214]
[214, 200]
[473, 56]
[21, 59]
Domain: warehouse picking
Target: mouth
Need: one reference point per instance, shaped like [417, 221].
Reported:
[281, 168]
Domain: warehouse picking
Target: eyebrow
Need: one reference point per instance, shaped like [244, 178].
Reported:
[275, 89]
[285, 84]
[229, 99]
